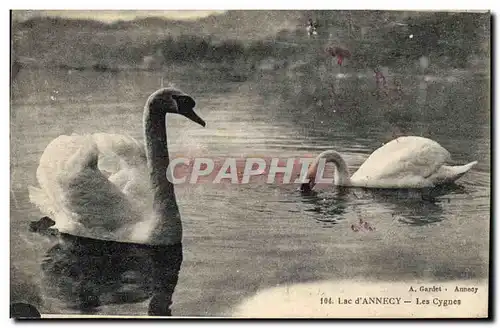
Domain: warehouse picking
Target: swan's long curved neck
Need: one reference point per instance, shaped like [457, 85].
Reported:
[168, 223]
[341, 173]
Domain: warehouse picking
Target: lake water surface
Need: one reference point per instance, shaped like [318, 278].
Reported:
[239, 239]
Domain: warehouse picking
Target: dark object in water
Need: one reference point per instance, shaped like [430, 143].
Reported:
[24, 311]
[42, 225]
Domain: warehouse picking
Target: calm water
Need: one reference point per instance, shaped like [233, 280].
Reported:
[239, 239]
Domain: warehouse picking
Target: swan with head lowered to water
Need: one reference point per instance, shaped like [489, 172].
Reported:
[405, 162]
[136, 203]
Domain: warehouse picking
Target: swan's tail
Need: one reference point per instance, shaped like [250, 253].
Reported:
[451, 173]
[43, 201]
[462, 169]
[64, 157]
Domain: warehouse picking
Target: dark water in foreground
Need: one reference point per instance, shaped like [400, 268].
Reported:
[239, 239]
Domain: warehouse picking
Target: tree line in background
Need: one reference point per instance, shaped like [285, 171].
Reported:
[452, 38]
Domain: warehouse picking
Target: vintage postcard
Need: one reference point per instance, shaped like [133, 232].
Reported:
[250, 164]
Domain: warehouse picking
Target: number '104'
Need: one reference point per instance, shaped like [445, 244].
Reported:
[326, 300]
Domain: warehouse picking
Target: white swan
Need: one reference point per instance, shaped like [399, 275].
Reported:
[136, 203]
[405, 162]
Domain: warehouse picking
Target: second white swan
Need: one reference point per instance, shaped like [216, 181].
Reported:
[405, 162]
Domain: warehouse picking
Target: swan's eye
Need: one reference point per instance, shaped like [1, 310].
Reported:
[184, 102]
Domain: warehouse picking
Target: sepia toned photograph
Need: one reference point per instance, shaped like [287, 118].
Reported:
[250, 164]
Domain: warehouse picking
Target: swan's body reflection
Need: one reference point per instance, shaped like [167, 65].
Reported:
[410, 206]
[415, 206]
[329, 209]
[88, 273]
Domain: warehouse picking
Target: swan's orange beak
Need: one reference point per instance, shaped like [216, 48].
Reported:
[191, 114]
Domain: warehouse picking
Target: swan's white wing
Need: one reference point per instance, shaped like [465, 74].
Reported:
[80, 198]
[125, 159]
[403, 162]
[117, 152]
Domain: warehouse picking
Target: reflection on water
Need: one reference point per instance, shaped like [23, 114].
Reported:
[410, 206]
[88, 273]
[328, 210]
[414, 207]
[242, 238]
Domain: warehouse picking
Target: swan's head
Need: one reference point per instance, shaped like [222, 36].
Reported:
[171, 100]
